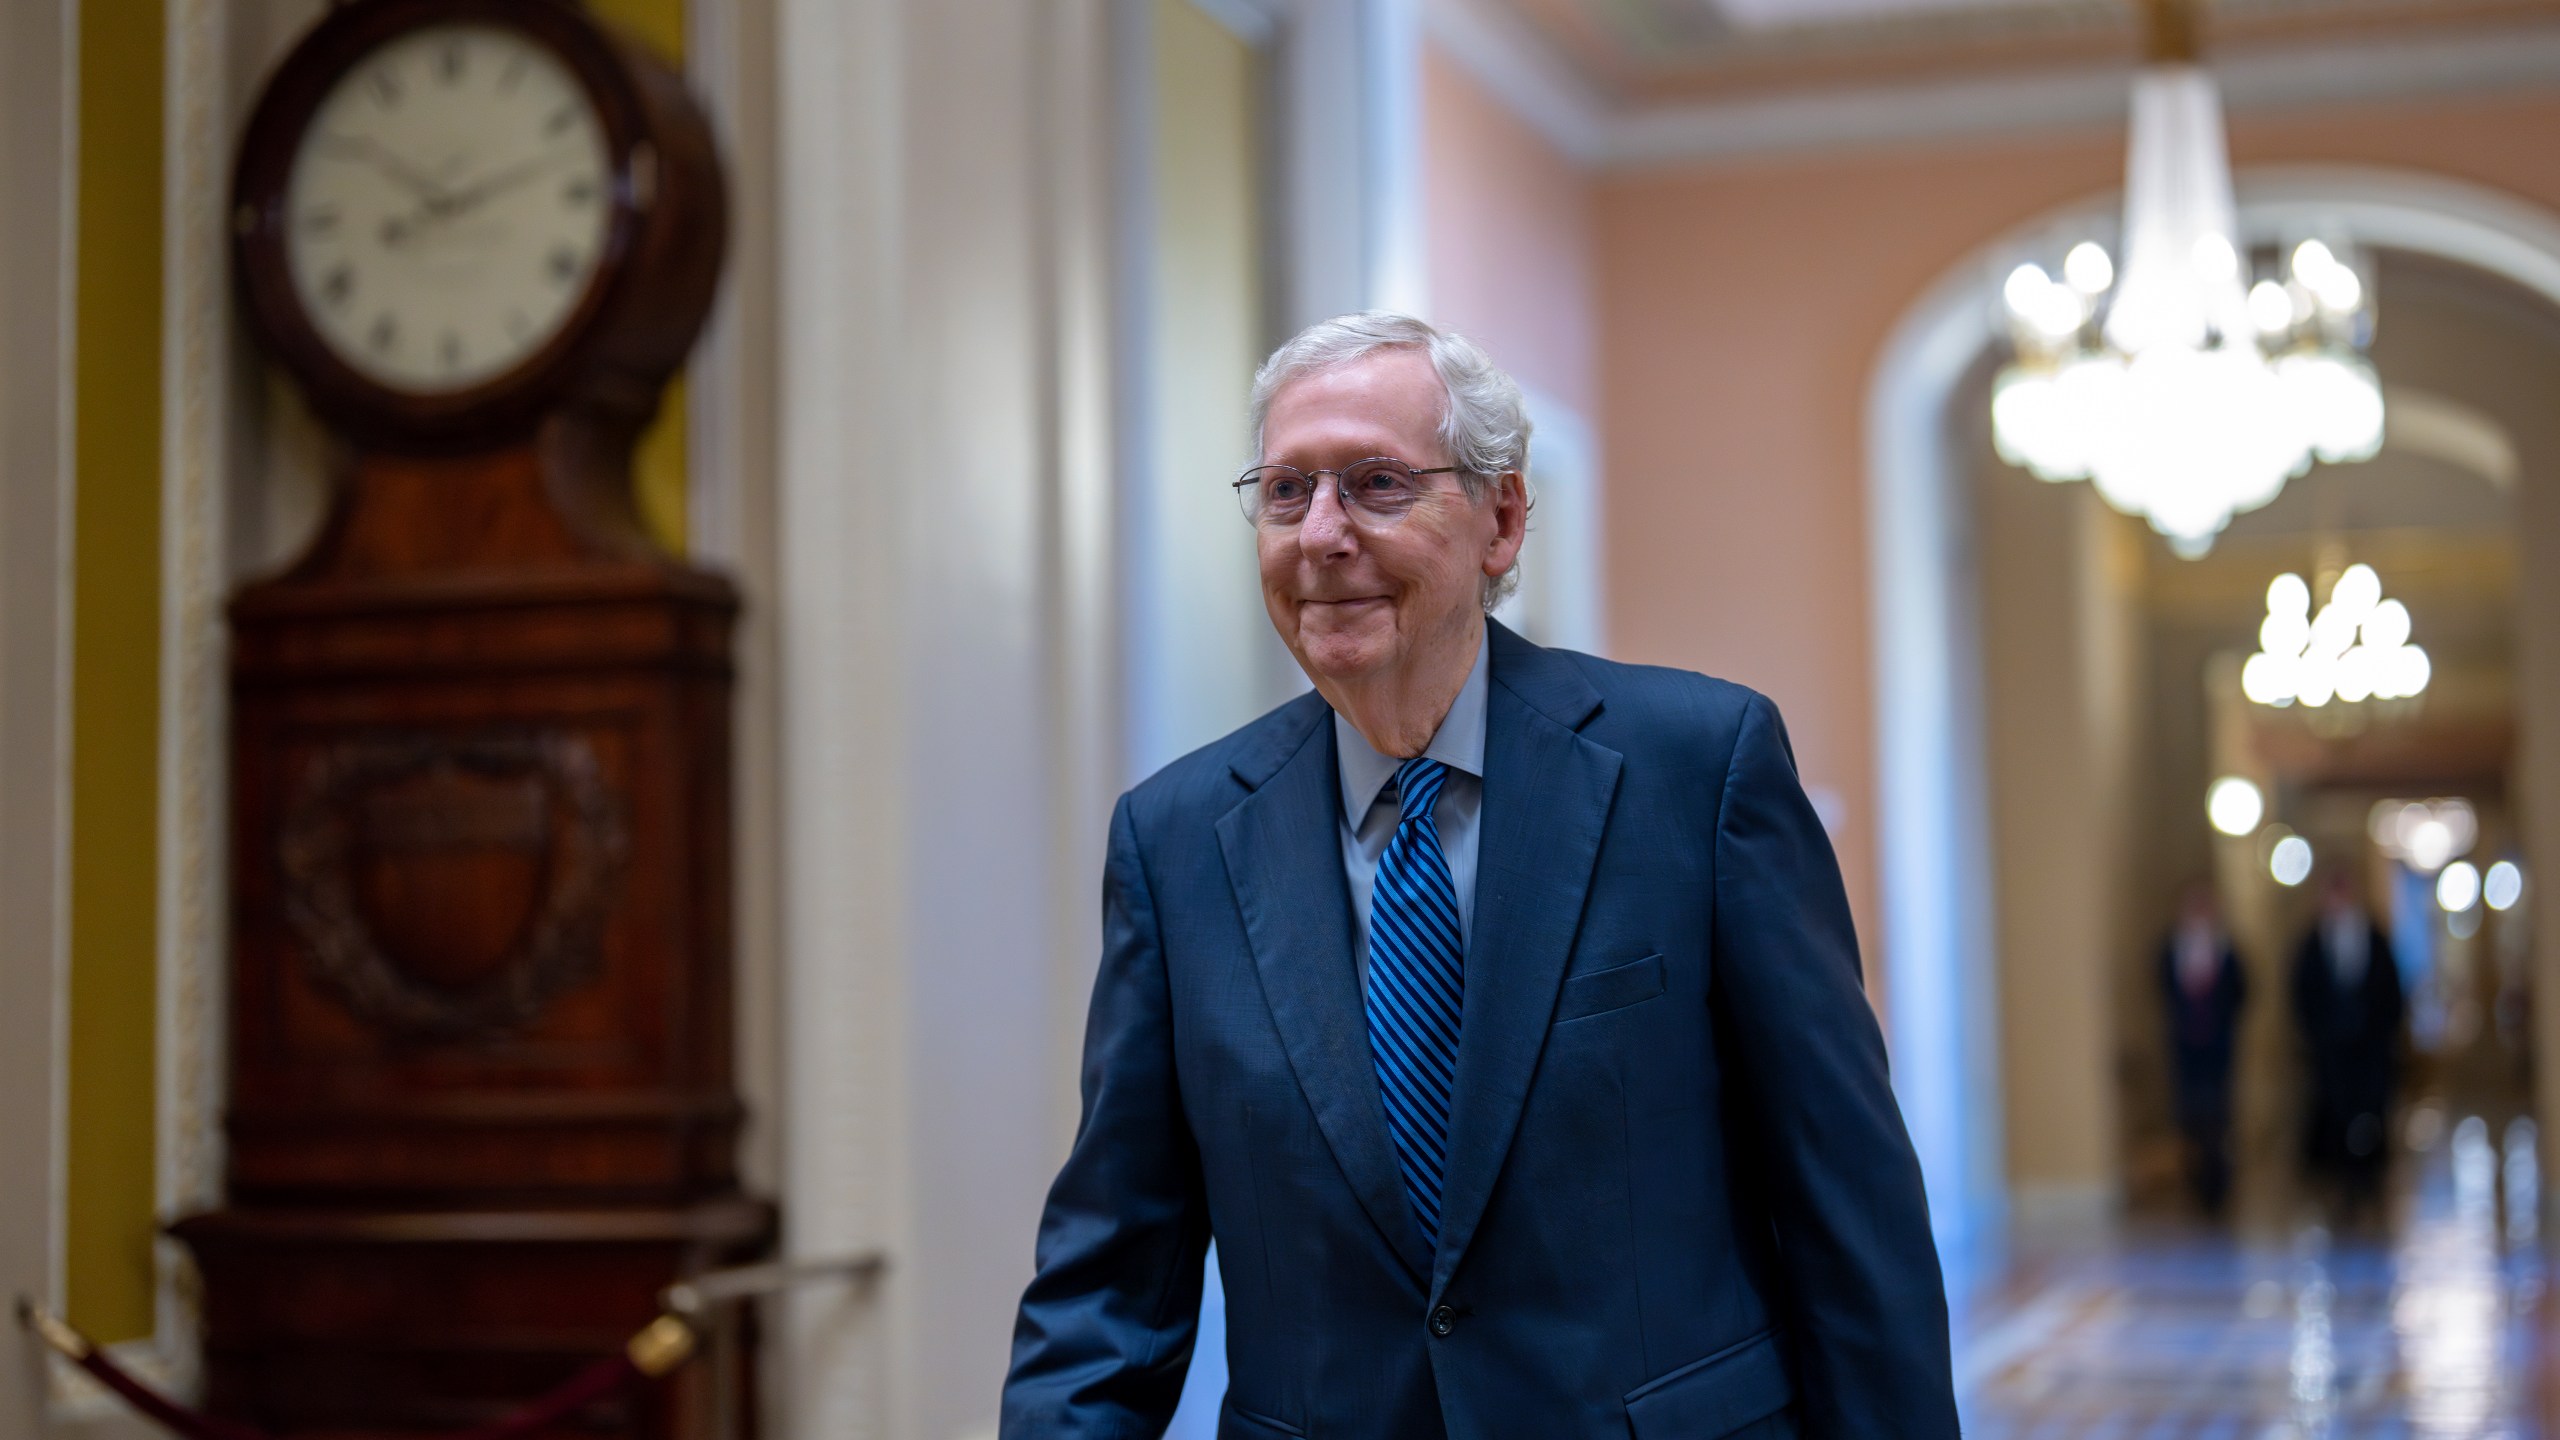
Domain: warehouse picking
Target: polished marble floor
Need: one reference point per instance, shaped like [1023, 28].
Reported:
[2433, 1330]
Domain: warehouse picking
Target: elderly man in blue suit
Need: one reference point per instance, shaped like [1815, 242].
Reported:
[1495, 1009]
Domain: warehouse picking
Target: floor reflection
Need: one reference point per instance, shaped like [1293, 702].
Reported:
[2429, 1334]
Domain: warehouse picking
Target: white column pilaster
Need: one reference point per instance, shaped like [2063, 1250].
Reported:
[1350, 107]
[945, 646]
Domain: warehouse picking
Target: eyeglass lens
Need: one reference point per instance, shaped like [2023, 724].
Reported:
[1379, 489]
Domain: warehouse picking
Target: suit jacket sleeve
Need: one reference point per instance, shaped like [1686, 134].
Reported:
[1865, 1300]
[1104, 1335]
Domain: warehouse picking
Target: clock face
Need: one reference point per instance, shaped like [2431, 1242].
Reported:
[447, 207]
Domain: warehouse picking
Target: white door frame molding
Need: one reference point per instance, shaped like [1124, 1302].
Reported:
[1933, 839]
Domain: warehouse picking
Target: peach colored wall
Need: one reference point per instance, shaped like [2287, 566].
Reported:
[1508, 237]
[1741, 309]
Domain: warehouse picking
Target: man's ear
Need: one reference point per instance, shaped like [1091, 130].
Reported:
[1511, 503]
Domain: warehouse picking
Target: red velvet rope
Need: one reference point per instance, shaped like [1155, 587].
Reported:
[598, 1380]
[591, 1384]
[174, 1417]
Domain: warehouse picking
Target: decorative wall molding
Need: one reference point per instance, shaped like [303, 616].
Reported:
[1592, 127]
[199, 410]
[1519, 69]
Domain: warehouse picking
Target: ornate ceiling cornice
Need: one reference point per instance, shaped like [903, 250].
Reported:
[1979, 79]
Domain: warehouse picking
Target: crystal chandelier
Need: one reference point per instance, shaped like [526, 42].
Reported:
[2184, 392]
[2356, 649]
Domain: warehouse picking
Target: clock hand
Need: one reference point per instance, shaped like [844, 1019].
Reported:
[503, 181]
[409, 176]
[451, 205]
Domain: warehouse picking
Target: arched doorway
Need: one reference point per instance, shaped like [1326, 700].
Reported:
[1934, 833]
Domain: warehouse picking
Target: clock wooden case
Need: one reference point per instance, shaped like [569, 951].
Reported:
[481, 1104]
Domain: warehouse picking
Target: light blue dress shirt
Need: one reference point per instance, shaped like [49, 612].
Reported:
[1369, 815]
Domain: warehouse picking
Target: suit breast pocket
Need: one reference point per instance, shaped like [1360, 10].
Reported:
[1600, 991]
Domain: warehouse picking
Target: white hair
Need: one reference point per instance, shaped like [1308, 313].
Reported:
[1484, 423]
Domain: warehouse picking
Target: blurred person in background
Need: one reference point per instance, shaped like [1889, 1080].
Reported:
[2348, 1004]
[2202, 989]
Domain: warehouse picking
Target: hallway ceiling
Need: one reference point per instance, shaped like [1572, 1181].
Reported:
[1670, 51]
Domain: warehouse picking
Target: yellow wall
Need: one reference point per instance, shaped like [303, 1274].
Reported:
[115, 680]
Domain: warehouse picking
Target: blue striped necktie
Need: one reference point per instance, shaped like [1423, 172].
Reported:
[1416, 977]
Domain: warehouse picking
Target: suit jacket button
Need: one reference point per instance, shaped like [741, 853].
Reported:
[1443, 1320]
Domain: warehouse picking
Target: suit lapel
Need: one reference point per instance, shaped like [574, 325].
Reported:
[1284, 859]
[1547, 792]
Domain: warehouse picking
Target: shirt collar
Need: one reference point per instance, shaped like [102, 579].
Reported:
[1458, 744]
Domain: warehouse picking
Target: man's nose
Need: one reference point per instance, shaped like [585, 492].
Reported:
[1325, 533]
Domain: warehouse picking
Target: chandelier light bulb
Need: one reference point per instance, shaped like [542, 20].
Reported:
[2290, 862]
[2338, 290]
[2382, 826]
[2424, 834]
[2338, 403]
[2387, 627]
[2287, 595]
[2430, 843]
[2284, 635]
[2270, 308]
[2023, 288]
[2268, 679]
[2053, 309]
[2358, 590]
[2409, 671]
[2088, 268]
[2503, 886]
[2458, 887]
[2312, 258]
[2214, 257]
[2234, 805]
[2315, 681]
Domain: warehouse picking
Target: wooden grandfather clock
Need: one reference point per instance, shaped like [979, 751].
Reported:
[481, 1105]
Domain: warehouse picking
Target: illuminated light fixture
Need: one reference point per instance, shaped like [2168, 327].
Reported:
[2234, 805]
[2423, 834]
[2458, 888]
[2290, 862]
[2356, 649]
[2184, 392]
[2503, 886]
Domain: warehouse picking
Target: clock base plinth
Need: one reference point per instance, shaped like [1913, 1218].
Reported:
[358, 1324]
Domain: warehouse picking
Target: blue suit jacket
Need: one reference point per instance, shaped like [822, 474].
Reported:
[1679, 1199]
